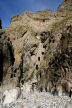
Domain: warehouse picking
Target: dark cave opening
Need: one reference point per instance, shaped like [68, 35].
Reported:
[11, 76]
[44, 46]
[38, 58]
[36, 67]
[11, 54]
[22, 82]
[42, 53]
[43, 20]
[1, 65]
[70, 93]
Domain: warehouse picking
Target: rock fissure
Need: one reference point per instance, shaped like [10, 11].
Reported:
[36, 55]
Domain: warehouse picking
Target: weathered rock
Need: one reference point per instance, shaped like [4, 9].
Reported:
[37, 48]
[6, 55]
[11, 95]
[66, 6]
[55, 70]
[26, 89]
[0, 24]
[69, 104]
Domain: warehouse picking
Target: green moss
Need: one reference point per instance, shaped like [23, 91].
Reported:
[59, 25]
[30, 30]
[21, 29]
[18, 50]
[27, 27]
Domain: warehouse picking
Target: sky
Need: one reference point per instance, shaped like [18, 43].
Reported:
[8, 8]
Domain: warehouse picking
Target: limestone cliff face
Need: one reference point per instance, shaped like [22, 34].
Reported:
[36, 48]
[6, 58]
[56, 70]
[66, 6]
[0, 24]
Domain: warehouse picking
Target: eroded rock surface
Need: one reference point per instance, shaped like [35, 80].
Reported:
[66, 6]
[0, 24]
[36, 51]
[6, 56]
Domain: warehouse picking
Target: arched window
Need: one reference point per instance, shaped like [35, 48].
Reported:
[38, 58]
[36, 67]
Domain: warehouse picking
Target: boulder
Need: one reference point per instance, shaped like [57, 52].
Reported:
[26, 89]
[69, 104]
[11, 95]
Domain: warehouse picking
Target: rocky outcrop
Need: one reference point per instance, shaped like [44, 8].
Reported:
[6, 56]
[69, 104]
[36, 51]
[0, 24]
[55, 72]
[11, 95]
[65, 6]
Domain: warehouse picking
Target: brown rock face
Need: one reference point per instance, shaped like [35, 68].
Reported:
[6, 55]
[66, 6]
[55, 73]
[0, 24]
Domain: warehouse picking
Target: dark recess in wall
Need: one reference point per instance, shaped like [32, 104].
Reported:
[38, 58]
[11, 54]
[0, 24]
[1, 64]
[36, 67]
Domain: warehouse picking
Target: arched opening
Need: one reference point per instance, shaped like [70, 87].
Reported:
[43, 20]
[22, 82]
[46, 89]
[36, 67]
[11, 76]
[53, 41]
[42, 53]
[44, 46]
[70, 93]
[38, 58]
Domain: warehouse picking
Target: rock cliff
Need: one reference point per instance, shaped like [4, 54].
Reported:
[0, 24]
[65, 6]
[37, 48]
